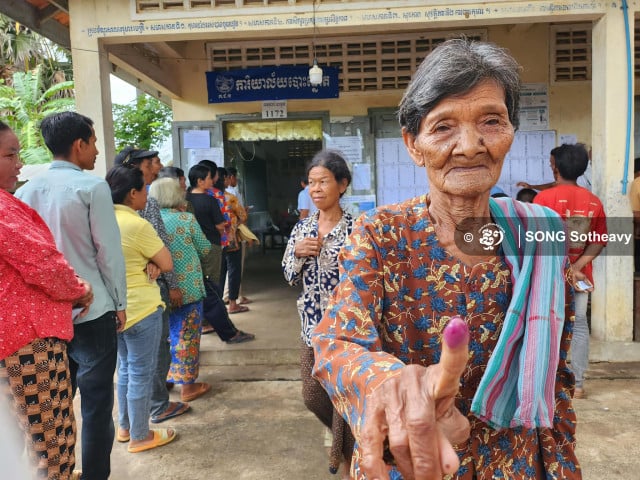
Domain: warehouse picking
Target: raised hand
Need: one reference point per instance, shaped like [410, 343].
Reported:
[415, 411]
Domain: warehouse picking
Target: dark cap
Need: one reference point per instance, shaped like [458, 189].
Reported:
[132, 155]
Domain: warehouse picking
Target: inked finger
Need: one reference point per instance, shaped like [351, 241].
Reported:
[454, 357]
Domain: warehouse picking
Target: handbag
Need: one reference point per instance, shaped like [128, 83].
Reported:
[246, 235]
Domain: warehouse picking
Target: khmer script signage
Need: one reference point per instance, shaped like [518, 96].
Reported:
[270, 83]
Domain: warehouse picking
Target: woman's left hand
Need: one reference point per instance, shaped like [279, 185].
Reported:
[415, 411]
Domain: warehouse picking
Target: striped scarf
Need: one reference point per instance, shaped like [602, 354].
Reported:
[518, 386]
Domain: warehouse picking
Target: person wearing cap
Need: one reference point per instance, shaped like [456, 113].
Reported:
[161, 408]
[78, 209]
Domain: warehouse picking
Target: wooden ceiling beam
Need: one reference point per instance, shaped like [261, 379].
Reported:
[28, 15]
[47, 13]
[61, 4]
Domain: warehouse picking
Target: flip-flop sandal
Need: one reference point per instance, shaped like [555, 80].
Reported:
[160, 437]
[241, 337]
[240, 309]
[123, 436]
[202, 389]
[245, 301]
[178, 409]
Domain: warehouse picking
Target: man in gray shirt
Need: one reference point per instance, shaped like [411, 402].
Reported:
[78, 209]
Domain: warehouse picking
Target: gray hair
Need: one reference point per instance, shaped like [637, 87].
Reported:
[167, 192]
[454, 67]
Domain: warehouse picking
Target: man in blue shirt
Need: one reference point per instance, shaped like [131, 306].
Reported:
[306, 206]
[78, 209]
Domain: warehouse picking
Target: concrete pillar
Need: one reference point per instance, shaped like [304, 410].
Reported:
[612, 301]
[91, 69]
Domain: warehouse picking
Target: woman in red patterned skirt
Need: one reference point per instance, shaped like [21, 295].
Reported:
[38, 289]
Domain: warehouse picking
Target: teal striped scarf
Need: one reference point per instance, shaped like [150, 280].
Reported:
[518, 386]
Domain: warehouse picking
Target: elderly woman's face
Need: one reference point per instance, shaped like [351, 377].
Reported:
[10, 163]
[463, 141]
[324, 189]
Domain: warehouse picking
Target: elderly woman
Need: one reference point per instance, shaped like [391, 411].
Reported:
[406, 273]
[138, 342]
[188, 247]
[311, 258]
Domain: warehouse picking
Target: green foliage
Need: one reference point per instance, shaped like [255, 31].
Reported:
[145, 122]
[23, 106]
[22, 49]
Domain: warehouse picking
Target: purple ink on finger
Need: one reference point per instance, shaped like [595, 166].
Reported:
[456, 332]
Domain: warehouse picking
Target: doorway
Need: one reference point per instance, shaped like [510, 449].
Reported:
[271, 158]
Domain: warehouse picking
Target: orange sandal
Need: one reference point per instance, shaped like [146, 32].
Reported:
[200, 388]
[123, 435]
[160, 437]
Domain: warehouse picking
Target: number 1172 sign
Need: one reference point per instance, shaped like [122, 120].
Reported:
[274, 109]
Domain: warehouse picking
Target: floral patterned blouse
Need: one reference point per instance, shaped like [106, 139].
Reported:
[398, 289]
[188, 245]
[224, 208]
[319, 274]
[237, 215]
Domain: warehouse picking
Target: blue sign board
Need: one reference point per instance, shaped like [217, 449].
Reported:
[270, 83]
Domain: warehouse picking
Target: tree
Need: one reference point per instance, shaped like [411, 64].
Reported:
[25, 103]
[144, 122]
[22, 50]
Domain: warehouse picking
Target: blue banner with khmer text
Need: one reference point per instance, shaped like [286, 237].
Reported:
[270, 83]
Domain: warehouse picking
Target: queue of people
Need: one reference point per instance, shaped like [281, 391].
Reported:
[114, 275]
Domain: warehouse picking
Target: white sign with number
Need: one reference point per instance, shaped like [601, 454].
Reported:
[274, 109]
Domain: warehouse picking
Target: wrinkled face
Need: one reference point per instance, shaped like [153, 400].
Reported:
[156, 166]
[324, 189]
[10, 163]
[463, 141]
[87, 152]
